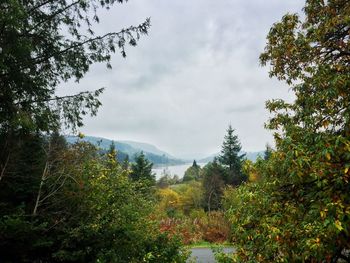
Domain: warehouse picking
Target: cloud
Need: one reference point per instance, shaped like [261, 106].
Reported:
[195, 73]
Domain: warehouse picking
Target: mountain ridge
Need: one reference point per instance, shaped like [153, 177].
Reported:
[155, 155]
[130, 149]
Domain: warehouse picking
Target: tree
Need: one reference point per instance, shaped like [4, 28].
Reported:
[268, 151]
[231, 158]
[191, 196]
[141, 170]
[62, 203]
[44, 43]
[115, 224]
[166, 179]
[192, 173]
[85, 210]
[126, 163]
[213, 185]
[298, 211]
[169, 202]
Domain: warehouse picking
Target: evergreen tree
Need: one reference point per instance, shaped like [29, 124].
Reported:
[126, 163]
[112, 149]
[44, 43]
[267, 152]
[192, 173]
[231, 159]
[142, 169]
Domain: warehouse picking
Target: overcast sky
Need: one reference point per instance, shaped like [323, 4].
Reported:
[194, 74]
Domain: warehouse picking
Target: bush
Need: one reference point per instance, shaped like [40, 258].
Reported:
[95, 214]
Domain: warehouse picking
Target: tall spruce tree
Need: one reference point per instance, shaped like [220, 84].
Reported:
[231, 158]
[141, 170]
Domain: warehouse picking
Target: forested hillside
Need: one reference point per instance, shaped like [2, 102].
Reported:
[128, 149]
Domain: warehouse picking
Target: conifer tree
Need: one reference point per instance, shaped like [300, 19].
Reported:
[142, 169]
[192, 173]
[231, 158]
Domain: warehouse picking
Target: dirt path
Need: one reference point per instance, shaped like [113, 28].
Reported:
[205, 255]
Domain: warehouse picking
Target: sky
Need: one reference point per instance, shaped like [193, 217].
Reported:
[194, 74]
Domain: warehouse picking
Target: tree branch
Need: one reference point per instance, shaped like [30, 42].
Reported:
[63, 97]
[39, 5]
[50, 17]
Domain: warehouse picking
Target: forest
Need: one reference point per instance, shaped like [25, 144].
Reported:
[72, 202]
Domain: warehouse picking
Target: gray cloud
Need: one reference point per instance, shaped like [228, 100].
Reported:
[195, 73]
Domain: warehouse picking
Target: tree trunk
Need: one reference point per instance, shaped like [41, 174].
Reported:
[42, 181]
[4, 168]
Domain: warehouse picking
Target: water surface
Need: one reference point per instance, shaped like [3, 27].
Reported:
[172, 170]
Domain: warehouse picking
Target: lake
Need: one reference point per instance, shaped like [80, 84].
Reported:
[179, 170]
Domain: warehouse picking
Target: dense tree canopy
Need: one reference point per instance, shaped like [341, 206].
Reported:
[299, 210]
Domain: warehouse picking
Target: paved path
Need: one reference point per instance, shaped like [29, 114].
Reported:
[205, 255]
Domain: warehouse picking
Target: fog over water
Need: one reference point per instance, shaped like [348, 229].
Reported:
[172, 170]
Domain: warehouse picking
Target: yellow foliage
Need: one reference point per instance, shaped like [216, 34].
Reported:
[250, 170]
[168, 199]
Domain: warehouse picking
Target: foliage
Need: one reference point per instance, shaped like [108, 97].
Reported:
[213, 185]
[192, 173]
[216, 229]
[299, 210]
[249, 168]
[231, 159]
[44, 43]
[191, 196]
[118, 220]
[167, 180]
[199, 227]
[85, 209]
[169, 202]
[181, 200]
[61, 203]
[268, 151]
[141, 170]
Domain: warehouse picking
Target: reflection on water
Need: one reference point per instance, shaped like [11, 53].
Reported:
[172, 170]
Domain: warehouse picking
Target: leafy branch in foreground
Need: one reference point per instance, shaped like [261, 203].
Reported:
[44, 43]
[298, 210]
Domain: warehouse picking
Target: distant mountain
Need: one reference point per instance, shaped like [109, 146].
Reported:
[254, 155]
[208, 159]
[249, 155]
[130, 149]
[146, 147]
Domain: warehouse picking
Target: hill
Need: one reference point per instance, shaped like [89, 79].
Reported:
[130, 149]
